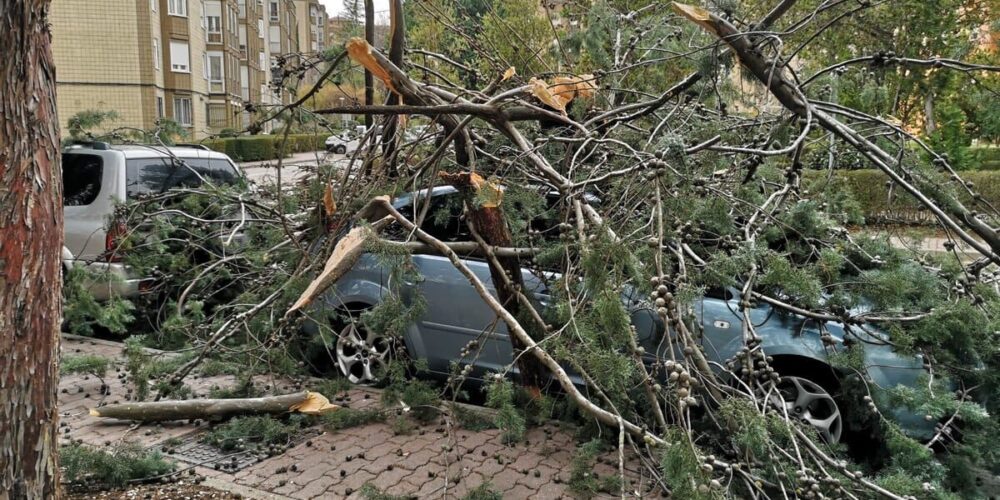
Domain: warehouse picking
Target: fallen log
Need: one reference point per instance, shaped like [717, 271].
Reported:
[307, 402]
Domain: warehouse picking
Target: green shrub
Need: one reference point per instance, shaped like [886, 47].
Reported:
[870, 190]
[265, 147]
[984, 158]
[124, 463]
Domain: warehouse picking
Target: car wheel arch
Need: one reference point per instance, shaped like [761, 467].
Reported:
[817, 370]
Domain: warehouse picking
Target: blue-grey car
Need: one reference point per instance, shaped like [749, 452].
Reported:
[455, 318]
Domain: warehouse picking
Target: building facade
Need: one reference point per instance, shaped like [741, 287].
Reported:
[312, 18]
[196, 62]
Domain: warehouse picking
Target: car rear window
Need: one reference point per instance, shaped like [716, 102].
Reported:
[81, 178]
[156, 175]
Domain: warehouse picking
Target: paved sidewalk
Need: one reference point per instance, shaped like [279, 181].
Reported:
[293, 168]
[436, 460]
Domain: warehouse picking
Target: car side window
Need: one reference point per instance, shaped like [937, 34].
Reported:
[444, 219]
[81, 179]
[156, 175]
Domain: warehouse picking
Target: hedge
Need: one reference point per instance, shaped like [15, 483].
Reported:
[265, 147]
[870, 189]
[984, 157]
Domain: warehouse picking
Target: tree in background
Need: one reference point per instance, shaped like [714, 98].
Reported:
[31, 221]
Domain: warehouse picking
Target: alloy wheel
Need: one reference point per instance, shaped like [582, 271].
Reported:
[361, 354]
[807, 401]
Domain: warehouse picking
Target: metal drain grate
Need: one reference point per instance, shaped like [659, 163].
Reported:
[192, 451]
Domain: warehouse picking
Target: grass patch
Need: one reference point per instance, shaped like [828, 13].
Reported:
[371, 492]
[116, 467]
[484, 491]
[241, 432]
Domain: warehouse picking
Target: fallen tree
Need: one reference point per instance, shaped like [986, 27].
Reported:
[657, 165]
[306, 402]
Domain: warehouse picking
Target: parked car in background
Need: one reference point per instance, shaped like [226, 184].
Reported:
[97, 175]
[341, 144]
[455, 315]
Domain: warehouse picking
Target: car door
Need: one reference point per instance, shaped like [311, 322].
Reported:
[91, 188]
[455, 317]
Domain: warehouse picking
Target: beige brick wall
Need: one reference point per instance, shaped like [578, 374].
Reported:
[104, 60]
[96, 40]
[125, 100]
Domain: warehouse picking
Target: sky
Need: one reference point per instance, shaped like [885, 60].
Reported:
[334, 7]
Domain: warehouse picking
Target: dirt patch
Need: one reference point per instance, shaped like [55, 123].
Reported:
[158, 492]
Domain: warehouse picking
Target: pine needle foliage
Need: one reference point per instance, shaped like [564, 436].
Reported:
[111, 467]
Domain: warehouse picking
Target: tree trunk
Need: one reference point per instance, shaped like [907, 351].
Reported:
[487, 219]
[369, 79]
[929, 124]
[396, 41]
[31, 222]
[310, 403]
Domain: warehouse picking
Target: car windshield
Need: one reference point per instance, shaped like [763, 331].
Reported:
[156, 175]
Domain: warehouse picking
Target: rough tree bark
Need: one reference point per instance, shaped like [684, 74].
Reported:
[31, 222]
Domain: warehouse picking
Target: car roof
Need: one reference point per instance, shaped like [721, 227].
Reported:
[407, 198]
[152, 151]
[149, 151]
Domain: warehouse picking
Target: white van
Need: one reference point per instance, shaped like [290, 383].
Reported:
[96, 176]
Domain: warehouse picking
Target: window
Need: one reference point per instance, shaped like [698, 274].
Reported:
[182, 111]
[214, 29]
[444, 217]
[274, 12]
[81, 179]
[215, 72]
[156, 175]
[260, 28]
[180, 58]
[152, 5]
[159, 107]
[156, 53]
[216, 115]
[177, 8]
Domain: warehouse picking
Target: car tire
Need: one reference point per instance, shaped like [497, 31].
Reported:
[341, 149]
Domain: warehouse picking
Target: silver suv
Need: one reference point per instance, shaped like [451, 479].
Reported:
[96, 176]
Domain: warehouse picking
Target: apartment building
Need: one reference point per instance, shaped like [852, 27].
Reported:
[312, 19]
[184, 60]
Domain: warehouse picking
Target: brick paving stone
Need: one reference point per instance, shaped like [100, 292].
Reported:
[416, 460]
[314, 489]
[353, 482]
[505, 479]
[387, 478]
[431, 489]
[421, 462]
[519, 491]
[550, 491]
